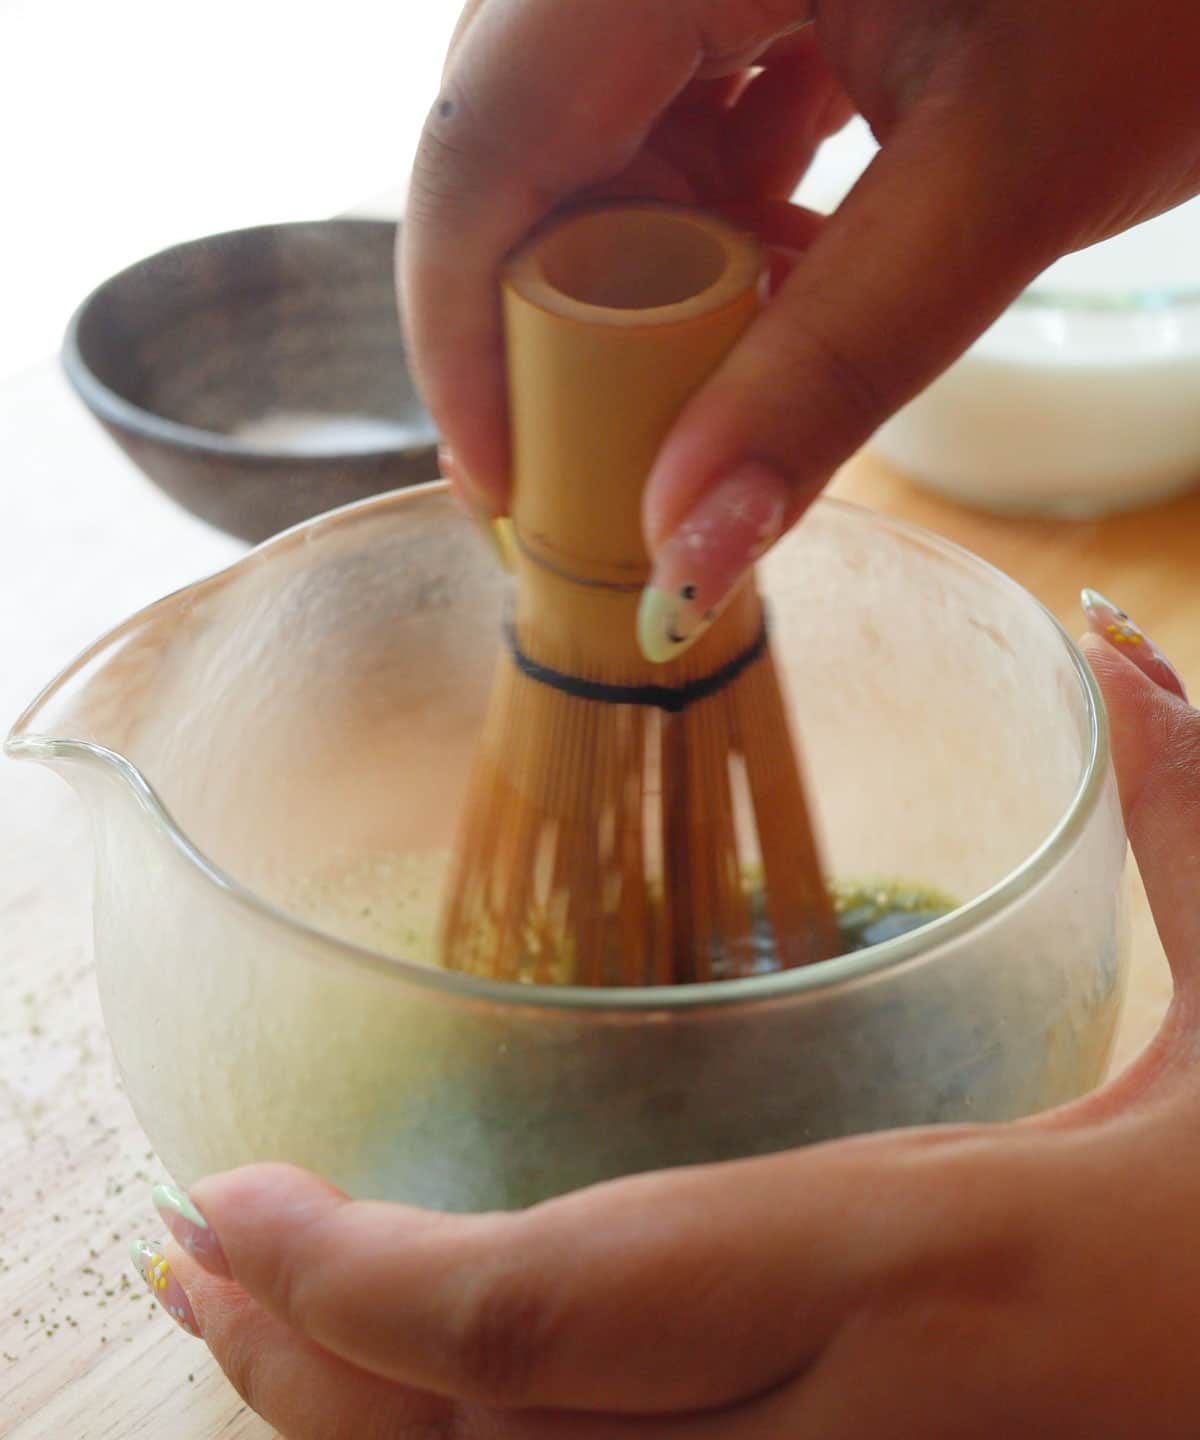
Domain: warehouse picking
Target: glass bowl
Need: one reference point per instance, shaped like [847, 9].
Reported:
[274, 761]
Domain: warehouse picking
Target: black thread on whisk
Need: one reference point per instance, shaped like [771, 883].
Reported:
[671, 698]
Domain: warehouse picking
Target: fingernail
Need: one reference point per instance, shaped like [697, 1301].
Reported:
[1111, 624]
[476, 506]
[160, 1280]
[698, 566]
[189, 1229]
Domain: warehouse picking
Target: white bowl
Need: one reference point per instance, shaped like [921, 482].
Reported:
[1084, 397]
[1071, 404]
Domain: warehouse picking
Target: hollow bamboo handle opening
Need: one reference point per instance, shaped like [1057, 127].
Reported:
[615, 314]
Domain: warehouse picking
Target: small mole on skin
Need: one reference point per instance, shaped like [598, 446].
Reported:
[445, 108]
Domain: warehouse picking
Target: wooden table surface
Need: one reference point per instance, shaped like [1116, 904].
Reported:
[84, 540]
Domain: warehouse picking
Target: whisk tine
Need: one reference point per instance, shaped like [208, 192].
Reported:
[552, 881]
[796, 901]
[638, 931]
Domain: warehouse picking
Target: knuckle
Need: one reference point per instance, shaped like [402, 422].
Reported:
[305, 1270]
[500, 1337]
[440, 188]
[443, 1420]
[850, 384]
[1181, 764]
[455, 153]
[726, 33]
[232, 1327]
[241, 1358]
[304, 1281]
[1183, 753]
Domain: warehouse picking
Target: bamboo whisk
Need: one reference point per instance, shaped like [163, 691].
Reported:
[626, 823]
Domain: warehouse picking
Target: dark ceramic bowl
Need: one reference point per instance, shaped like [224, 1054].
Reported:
[257, 377]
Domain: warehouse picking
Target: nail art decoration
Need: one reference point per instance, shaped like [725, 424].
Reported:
[1112, 624]
[189, 1229]
[698, 566]
[160, 1280]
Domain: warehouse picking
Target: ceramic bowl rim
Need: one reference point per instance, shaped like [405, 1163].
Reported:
[116, 410]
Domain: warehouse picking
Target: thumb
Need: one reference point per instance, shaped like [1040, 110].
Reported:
[1156, 749]
[614, 1299]
[917, 262]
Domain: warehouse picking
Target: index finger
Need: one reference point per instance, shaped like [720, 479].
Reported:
[540, 100]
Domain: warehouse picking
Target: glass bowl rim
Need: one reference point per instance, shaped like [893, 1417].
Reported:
[815, 979]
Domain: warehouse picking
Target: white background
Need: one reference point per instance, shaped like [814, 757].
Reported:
[127, 125]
